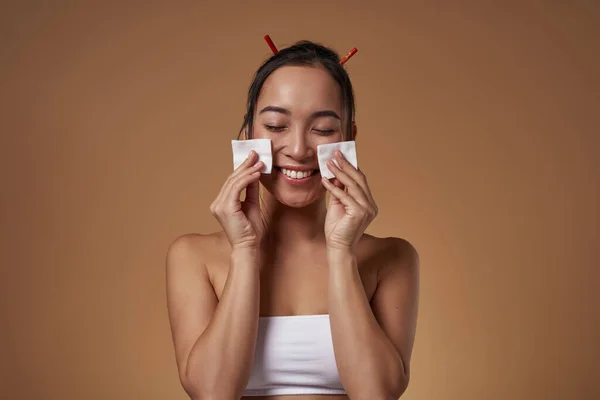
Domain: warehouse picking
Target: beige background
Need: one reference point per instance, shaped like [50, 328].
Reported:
[478, 131]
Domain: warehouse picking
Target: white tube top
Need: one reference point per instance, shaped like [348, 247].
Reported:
[294, 355]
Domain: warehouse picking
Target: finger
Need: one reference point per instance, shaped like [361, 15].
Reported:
[226, 189]
[341, 195]
[248, 162]
[336, 182]
[354, 173]
[241, 171]
[240, 183]
[354, 189]
[252, 192]
[252, 156]
[334, 200]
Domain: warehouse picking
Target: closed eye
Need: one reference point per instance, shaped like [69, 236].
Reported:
[272, 128]
[324, 132]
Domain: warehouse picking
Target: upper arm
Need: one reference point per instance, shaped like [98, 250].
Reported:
[395, 302]
[191, 300]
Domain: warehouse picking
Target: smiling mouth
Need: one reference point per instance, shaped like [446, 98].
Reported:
[293, 174]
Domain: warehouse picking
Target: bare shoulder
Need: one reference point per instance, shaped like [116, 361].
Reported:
[197, 246]
[390, 253]
[196, 254]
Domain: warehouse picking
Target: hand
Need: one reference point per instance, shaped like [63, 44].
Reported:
[350, 211]
[241, 220]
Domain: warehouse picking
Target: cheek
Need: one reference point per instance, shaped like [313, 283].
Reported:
[260, 134]
[336, 137]
[316, 140]
[259, 131]
[282, 140]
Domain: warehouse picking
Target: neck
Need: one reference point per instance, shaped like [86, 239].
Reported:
[291, 225]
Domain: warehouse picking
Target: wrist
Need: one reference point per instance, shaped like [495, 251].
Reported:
[341, 255]
[245, 254]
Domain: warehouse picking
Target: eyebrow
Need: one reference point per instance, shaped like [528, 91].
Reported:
[316, 114]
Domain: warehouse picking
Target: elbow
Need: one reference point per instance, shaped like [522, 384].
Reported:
[397, 382]
[189, 387]
[205, 390]
[392, 390]
[399, 387]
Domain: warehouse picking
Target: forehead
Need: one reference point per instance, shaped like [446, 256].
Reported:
[301, 89]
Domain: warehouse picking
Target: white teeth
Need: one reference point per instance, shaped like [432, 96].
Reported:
[296, 174]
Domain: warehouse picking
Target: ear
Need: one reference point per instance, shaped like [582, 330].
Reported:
[244, 134]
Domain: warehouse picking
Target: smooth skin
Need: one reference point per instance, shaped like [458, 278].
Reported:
[300, 258]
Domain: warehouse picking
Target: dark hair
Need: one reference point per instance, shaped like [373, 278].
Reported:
[303, 53]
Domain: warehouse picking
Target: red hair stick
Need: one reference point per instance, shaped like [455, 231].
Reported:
[271, 45]
[347, 56]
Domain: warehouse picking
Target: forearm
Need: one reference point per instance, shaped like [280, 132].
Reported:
[220, 362]
[369, 365]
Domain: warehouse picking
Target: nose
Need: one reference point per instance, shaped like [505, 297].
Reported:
[298, 145]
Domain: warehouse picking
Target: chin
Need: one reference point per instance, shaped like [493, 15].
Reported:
[295, 201]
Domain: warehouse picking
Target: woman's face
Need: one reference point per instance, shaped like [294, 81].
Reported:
[298, 108]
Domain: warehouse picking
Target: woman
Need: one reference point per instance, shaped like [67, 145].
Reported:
[292, 297]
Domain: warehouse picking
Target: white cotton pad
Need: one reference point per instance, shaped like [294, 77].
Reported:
[241, 151]
[325, 152]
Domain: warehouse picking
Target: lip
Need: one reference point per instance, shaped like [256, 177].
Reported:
[297, 167]
[295, 181]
